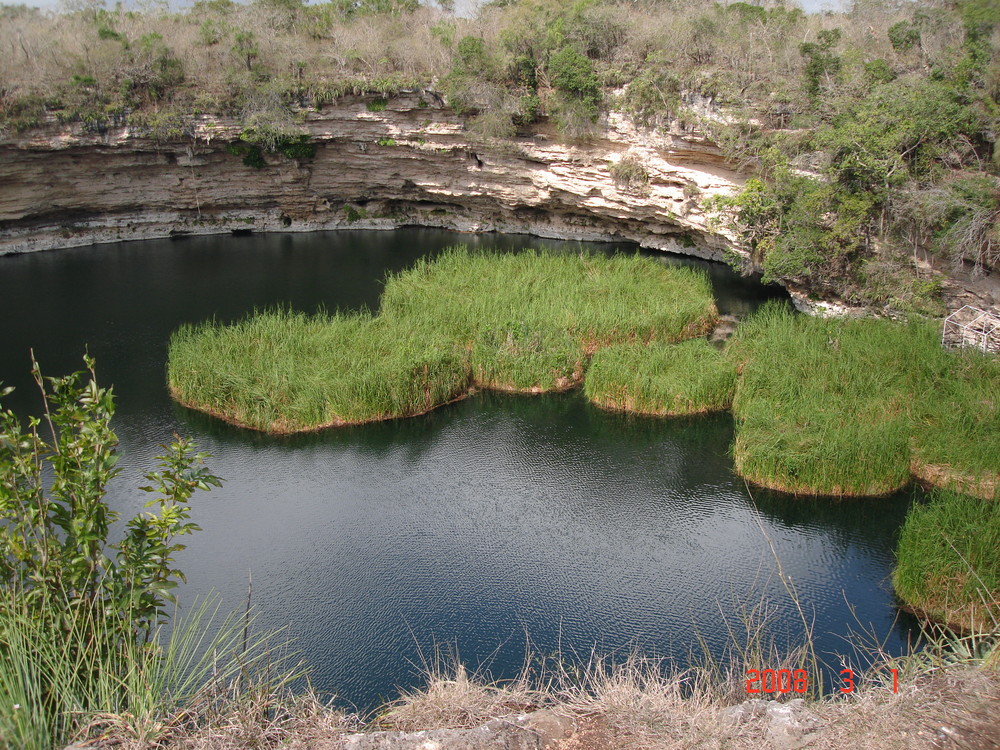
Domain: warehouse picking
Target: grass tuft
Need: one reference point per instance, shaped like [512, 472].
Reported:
[68, 675]
[947, 567]
[692, 377]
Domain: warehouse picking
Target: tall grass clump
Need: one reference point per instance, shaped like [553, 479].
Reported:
[284, 371]
[532, 318]
[957, 433]
[692, 377]
[824, 407]
[947, 563]
[525, 322]
[513, 358]
[65, 670]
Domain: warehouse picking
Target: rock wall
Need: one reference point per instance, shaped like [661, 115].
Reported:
[414, 162]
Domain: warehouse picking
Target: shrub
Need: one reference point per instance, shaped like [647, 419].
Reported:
[904, 36]
[77, 611]
[653, 94]
[629, 173]
[572, 74]
[821, 63]
[56, 535]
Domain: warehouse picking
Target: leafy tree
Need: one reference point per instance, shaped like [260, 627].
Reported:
[572, 75]
[820, 60]
[55, 524]
[245, 48]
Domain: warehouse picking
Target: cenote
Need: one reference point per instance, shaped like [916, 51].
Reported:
[479, 527]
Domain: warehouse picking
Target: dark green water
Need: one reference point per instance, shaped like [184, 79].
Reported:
[476, 525]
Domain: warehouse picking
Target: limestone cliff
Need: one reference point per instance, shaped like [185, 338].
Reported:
[413, 162]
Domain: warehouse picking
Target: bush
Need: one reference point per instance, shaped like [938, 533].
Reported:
[904, 36]
[56, 534]
[629, 173]
[572, 74]
[653, 94]
[91, 604]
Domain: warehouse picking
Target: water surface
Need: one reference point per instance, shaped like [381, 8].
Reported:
[483, 524]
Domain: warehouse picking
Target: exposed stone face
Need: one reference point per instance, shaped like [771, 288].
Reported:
[413, 163]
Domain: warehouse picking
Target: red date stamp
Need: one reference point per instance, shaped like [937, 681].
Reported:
[797, 680]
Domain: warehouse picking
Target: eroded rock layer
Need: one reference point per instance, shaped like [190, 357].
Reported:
[414, 162]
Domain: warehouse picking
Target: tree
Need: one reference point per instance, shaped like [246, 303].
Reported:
[54, 522]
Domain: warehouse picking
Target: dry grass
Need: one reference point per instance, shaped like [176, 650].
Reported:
[262, 722]
[452, 698]
[313, 48]
[635, 703]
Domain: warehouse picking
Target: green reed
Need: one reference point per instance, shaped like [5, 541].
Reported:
[948, 566]
[692, 377]
[284, 371]
[531, 319]
[957, 430]
[525, 322]
[825, 407]
[852, 407]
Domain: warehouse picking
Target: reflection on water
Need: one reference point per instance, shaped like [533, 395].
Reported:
[486, 521]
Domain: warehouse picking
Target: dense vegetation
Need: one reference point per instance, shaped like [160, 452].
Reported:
[852, 407]
[283, 372]
[531, 320]
[871, 133]
[79, 614]
[692, 377]
[822, 407]
[524, 322]
[948, 566]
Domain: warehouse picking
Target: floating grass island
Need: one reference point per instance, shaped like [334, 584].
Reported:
[525, 323]
[284, 372]
[948, 562]
[860, 407]
[821, 407]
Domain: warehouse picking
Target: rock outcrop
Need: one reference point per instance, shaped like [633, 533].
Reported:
[412, 163]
